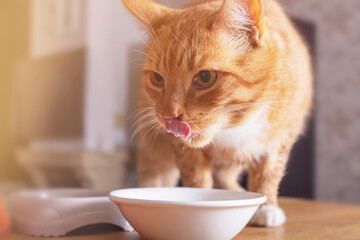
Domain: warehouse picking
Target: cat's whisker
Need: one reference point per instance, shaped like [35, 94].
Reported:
[156, 131]
[139, 119]
[145, 54]
[142, 110]
[229, 109]
[147, 114]
[202, 43]
[143, 126]
[196, 38]
[237, 114]
[235, 110]
[198, 129]
[188, 44]
[136, 60]
[182, 44]
[147, 45]
[246, 105]
[150, 128]
[154, 36]
[132, 116]
[139, 64]
[138, 126]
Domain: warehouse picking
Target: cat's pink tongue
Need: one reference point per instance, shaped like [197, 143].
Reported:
[178, 128]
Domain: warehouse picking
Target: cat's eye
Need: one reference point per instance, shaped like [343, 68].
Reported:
[156, 79]
[205, 79]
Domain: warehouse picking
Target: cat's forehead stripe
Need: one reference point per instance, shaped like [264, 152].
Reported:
[176, 53]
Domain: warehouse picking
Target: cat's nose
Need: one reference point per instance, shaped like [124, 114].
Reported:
[169, 112]
[173, 116]
[167, 117]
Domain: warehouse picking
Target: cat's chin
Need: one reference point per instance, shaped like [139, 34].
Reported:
[197, 140]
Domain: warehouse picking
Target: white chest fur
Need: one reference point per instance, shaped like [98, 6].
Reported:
[245, 137]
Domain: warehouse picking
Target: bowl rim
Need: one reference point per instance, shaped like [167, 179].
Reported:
[256, 199]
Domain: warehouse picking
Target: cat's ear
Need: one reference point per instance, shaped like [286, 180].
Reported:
[240, 15]
[147, 12]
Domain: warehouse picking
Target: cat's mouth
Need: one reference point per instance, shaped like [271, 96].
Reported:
[178, 128]
[181, 129]
[184, 131]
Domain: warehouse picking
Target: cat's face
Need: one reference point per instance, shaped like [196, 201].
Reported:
[198, 77]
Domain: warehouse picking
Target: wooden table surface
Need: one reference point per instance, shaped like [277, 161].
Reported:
[307, 220]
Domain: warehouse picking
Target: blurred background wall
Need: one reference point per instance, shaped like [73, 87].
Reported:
[13, 16]
[109, 43]
[337, 166]
[42, 59]
[68, 80]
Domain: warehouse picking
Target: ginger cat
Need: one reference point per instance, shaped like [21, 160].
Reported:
[226, 87]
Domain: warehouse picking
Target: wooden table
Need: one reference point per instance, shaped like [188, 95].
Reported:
[307, 220]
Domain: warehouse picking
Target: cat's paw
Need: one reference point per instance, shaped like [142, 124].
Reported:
[268, 216]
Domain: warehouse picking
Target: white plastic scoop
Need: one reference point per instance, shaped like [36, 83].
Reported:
[57, 212]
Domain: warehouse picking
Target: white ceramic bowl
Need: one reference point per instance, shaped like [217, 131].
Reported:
[187, 213]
